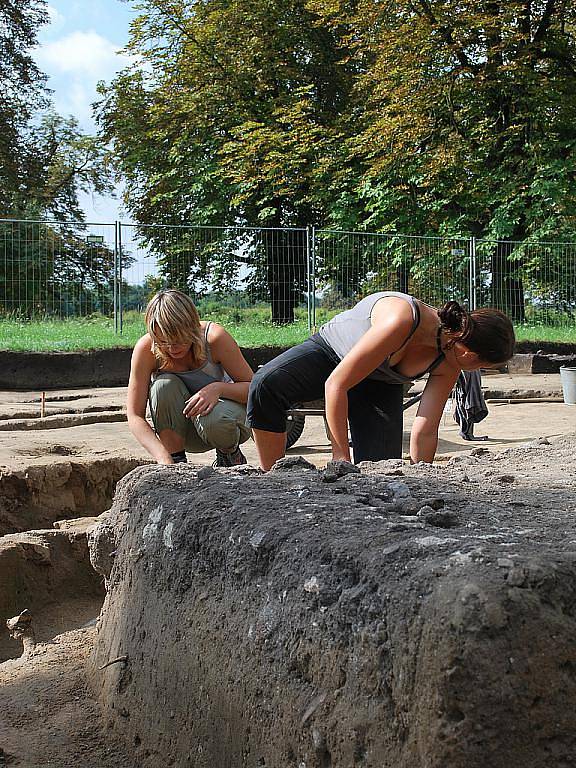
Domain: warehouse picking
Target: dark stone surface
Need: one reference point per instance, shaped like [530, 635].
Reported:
[552, 363]
[111, 367]
[94, 368]
[278, 621]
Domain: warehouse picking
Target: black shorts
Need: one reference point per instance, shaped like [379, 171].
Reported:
[298, 375]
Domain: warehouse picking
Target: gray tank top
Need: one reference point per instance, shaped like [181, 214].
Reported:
[344, 330]
[205, 374]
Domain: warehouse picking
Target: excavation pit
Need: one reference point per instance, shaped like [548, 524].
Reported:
[412, 616]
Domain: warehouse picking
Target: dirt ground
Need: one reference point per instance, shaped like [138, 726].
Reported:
[424, 614]
[48, 717]
[64, 435]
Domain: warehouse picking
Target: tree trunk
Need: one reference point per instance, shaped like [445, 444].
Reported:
[507, 286]
[286, 255]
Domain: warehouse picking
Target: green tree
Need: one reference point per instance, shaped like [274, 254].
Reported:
[468, 123]
[22, 86]
[228, 122]
[45, 160]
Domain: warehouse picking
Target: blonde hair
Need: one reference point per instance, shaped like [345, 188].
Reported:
[172, 317]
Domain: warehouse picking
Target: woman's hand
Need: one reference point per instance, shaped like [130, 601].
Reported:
[203, 402]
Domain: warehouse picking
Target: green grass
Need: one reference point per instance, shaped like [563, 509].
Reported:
[561, 334]
[250, 328]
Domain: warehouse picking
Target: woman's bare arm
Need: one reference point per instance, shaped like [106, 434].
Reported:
[225, 351]
[391, 325]
[141, 368]
[424, 434]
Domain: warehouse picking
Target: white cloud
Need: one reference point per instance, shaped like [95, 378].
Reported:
[83, 54]
[75, 64]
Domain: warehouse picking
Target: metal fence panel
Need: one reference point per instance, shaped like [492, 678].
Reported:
[245, 265]
[534, 283]
[350, 265]
[53, 269]
[62, 270]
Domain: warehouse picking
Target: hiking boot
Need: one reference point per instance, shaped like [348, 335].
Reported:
[232, 459]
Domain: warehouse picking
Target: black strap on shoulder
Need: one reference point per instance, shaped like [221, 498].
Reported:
[439, 340]
[415, 324]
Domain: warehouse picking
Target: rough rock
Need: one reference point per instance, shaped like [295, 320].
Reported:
[267, 627]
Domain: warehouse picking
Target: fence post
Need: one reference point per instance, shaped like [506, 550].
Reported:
[120, 320]
[309, 278]
[115, 273]
[313, 248]
[472, 272]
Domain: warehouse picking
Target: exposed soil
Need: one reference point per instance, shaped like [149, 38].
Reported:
[47, 474]
[409, 616]
[39, 495]
[49, 717]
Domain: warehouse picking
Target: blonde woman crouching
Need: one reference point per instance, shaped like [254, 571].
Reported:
[196, 380]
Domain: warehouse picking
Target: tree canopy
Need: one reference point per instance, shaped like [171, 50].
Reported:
[45, 159]
[428, 117]
[407, 115]
[469, 122]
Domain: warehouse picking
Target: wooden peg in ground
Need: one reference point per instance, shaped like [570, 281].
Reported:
[20, 628]
[43, 405]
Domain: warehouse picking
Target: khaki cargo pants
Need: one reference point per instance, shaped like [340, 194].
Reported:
[223, 428]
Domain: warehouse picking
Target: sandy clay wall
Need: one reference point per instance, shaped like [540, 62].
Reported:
[404, 617]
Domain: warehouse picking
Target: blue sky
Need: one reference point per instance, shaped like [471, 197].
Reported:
[82, 45]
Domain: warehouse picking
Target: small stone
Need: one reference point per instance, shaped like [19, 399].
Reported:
[318, 740]
[316, 702]
[205, 472]
[399, 489]
[337, 469]
[480, 451]
[462, 459]
[506, 479]
[434, 541]
[257, 539]
[516, 576]
[288, 463]
[407, 506]
[442, 519]
[504, 562]
[407, 525]
[436, 502]
[312, 585]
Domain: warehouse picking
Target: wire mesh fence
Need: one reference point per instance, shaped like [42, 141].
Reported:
[534, 283]
[54, 269]
[65, 270]
[350, 265]
[239, 265]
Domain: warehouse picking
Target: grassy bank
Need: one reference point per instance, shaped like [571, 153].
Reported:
[250, 327]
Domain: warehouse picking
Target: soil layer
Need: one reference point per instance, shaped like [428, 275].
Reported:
[408, 616]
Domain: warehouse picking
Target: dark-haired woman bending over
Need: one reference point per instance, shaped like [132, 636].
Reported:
[360, 360]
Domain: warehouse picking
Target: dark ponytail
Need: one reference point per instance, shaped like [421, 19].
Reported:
[487, 332]
[456, 320]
